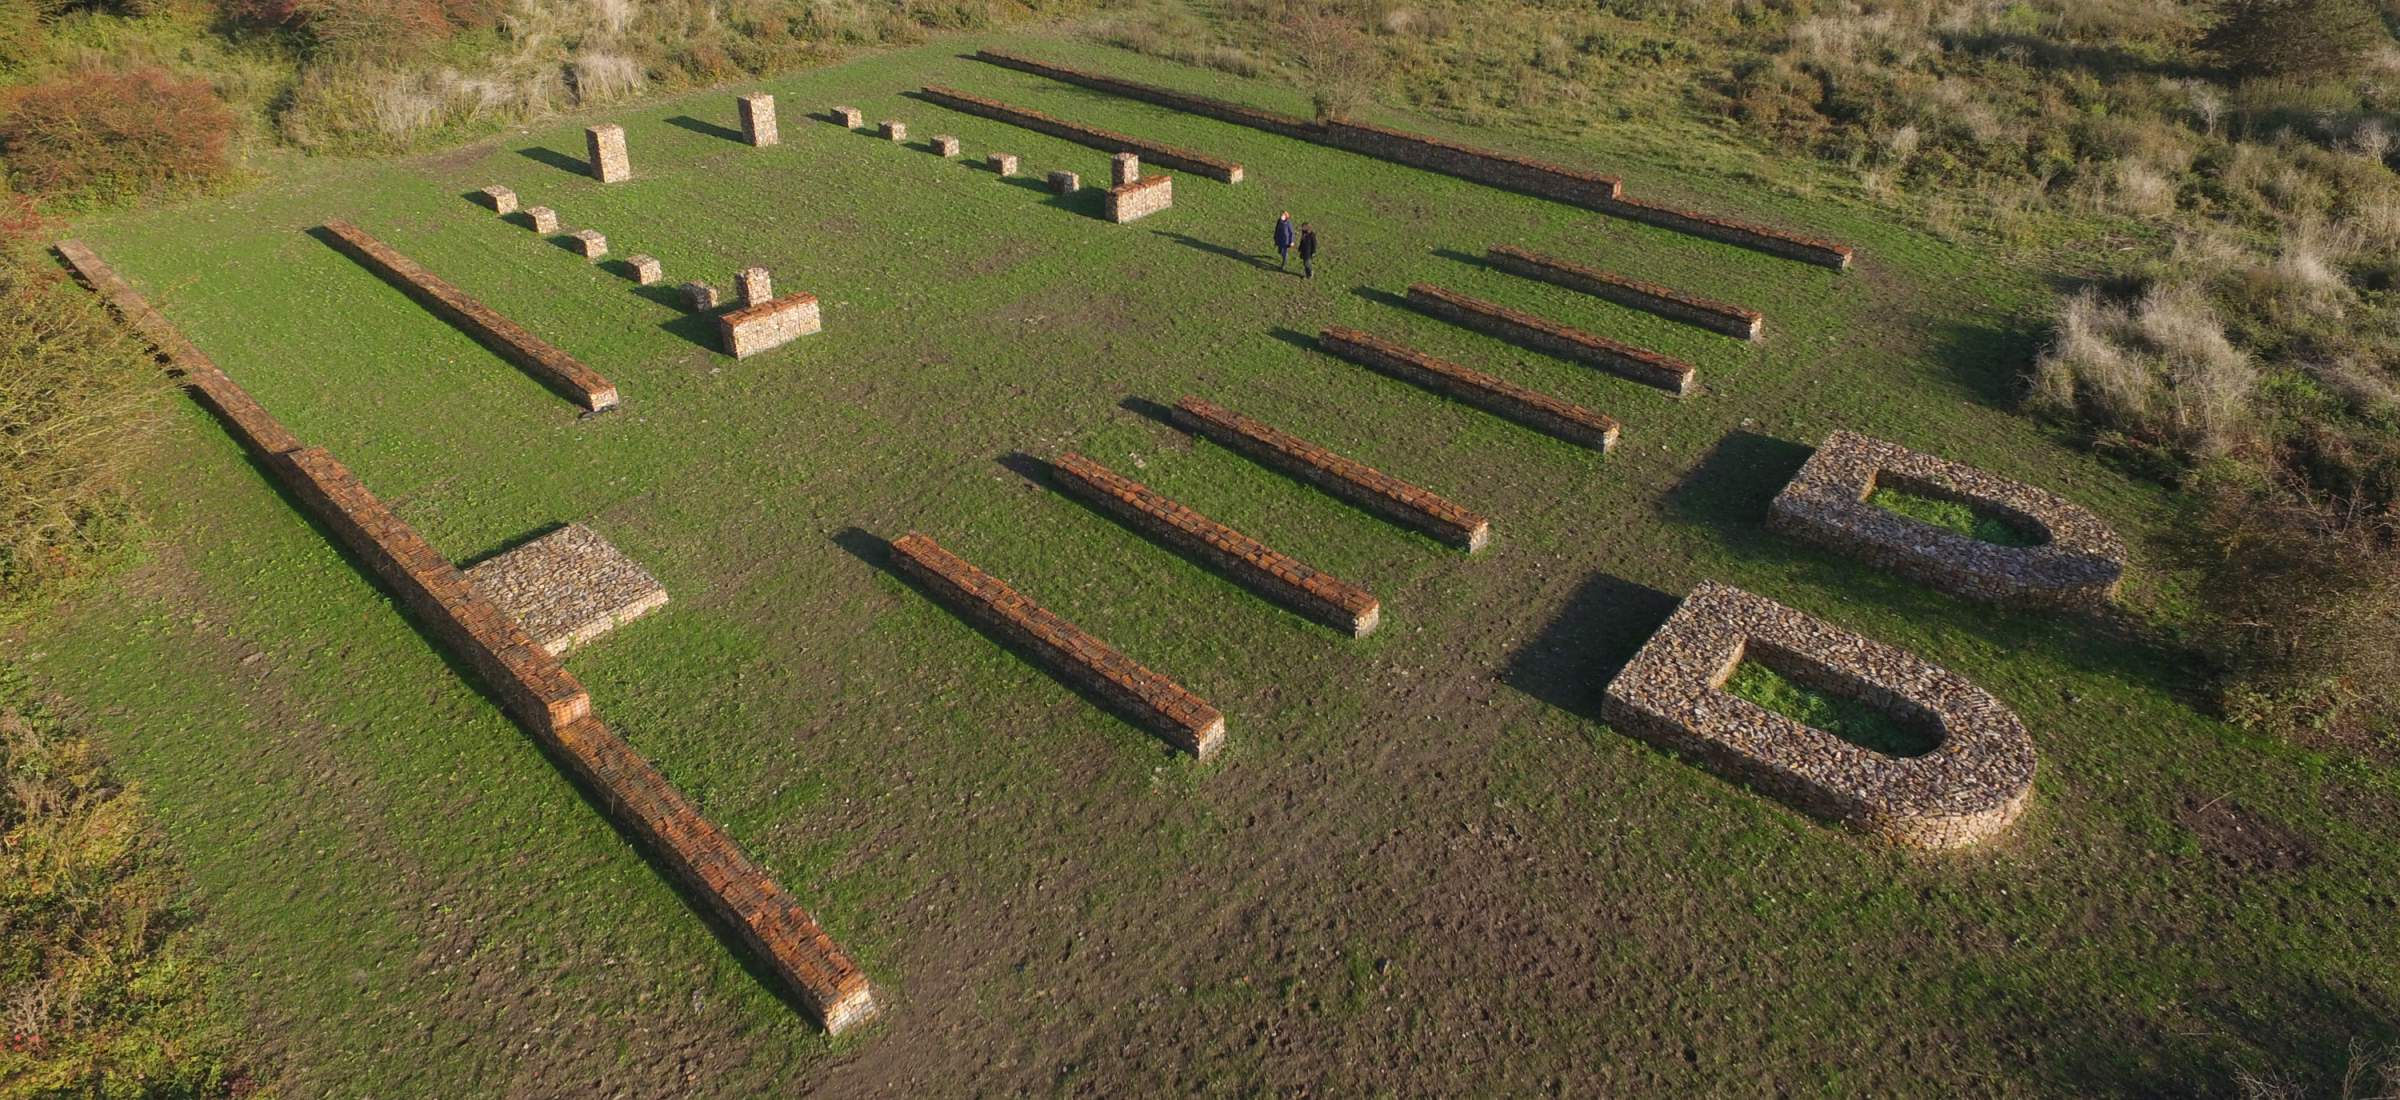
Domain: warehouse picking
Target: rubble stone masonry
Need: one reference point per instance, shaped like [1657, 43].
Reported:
[894, 130]
[945, 146]
[646, 269]
[1151, 701]
[699, 297]
[607, 147]
[848, 118]
[1065, 183]
[543, 219]
[500, 199]
[1002, 163]
[1124, 168]
[1215, 168]
[1276, 575]
[1542, 334]
[1353, 481]
[554, 368]
[752, 329]
[755, 285]
[1665, 301]
[1536, 410]
[758, 118]
[589, 243]
[1139, 199]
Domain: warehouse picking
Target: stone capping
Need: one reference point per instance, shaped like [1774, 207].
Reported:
[758, 118]
[1273, 574]
[1967, 789]
[250, 423]
[1149, 700]
[749, 330]
[1139, 199]
[1534, 409]
[567, 587]
[606, 144]
[1223, 171]
[1589, 190]
[554, 368]
[2078, 567]
[500, 199]
[1665, 301]
[849, 118]
[1567, 342]
[1354, 481]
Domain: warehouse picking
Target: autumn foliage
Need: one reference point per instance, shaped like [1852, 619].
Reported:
[98, 134]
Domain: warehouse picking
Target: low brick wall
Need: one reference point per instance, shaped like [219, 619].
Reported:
[250, 423]
[554, 368]
[1536, 410]
[1589, 190]
[1276, 575]
[1967, 789]
[1363, 485]
[1151, 701]
[1139, 199]
[2079, 566]
[1665, 301]
[1542, 334]
[746, 332]
[1214, 168]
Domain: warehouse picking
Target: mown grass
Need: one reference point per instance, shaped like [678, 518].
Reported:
[413, 896]
[1850, 719]
[1952, 515]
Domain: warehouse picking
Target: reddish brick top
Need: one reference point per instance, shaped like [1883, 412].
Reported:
[1143, 184]
[1552, 329]
[766, 309]
[1216, 168]
[1638, 286]
[1834, 254]
[1358, 476]
[1191, 724]
[1610, 185]
[1343, 340]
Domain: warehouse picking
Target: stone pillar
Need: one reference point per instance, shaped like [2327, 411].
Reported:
[545, 220]
[699, 296]
[755, 285]
[758, 118]
[1004, 163]
[895, 130]
[646, 269]
[500, 199]
[607, 144]
[1065, 183]
[590, 243]
[1123, 169]
[847, 117]
[945, 146]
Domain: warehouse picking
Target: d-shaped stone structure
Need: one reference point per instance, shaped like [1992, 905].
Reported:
[1966, 789]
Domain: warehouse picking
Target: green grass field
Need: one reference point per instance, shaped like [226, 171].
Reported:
[1421, 865]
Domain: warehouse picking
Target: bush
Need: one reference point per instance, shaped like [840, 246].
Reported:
[2295, 37]
[101, 134]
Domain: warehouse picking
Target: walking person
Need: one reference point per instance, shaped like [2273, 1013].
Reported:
[1308, 252]
[1283, 241]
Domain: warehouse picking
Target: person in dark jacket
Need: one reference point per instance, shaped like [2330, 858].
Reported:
[1308, 252]
[1283, 241]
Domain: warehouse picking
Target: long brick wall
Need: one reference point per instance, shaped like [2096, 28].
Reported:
[1354, 481]
[1276, 575]
[1534, 409]
[1215, 168]
[1590, 190]
[552, 367]
[531, 684]
[1542, 334]
[1665, 301]
[1150, 700]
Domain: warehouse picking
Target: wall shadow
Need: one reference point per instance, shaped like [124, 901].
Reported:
[709, 129]
[1990, 362]
[1382, 297]
[1468, 258]
[511, 543]
[664, 295]
[1212, 248]
[1305, 341]
[1570, 661]
[556, 159]
[1729, 489]
[699, 328]
[1144, 407]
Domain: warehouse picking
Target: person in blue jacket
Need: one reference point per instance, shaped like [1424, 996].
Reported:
[1308, 252]
[1283, 240]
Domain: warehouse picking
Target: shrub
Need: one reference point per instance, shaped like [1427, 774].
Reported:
[2159, 368]
[2295, 37]
[110, 134]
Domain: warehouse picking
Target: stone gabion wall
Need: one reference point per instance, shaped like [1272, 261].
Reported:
[1124, 168]
[1967, 789]
[554, 368]
[1002, 163]
[646, 269]
[589, 243]
[1065, 183]
[1365, 486]
[755, 285]
[1139, 199]
[945, 146]
[1665, 301]
[542, 219]
[1223, 171]
[1151, 701]
[758, 118]
[606, 144]
[1536, 410]
[500, 199]
[1542, 334]
[2079, 565]
[848, 118]
[1750, 235]
[895, 130]
[1276, 575]
[746, 332]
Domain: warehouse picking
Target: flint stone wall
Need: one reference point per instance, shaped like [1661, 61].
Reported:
[2079, 566]
[758, 118]
[1967, 789]
[1542, 334]
[1536, 410]
[752, 329]
[1665, 301]
[1139, 199]
[1408, 505]
[1215, 168]
[1149, 700]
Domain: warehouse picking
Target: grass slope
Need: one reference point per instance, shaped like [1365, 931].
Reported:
[1421, 866]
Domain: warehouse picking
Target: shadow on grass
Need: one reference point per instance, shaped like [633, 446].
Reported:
[699, 328]
[556, 159]
[1569, 663]
[2294, 1029]
[1144, 407]
[1468, 258]
[508, 544]
[707, 129]
[1305, 341]
[1215, 249]
[1988, 361]
[664, 295]
[1728, 490]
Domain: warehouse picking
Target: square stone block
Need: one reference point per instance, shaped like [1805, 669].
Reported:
[1065, 183]
[1003, 163]
[1124, 168]
[754, 285]
[646, 269]
[589, 243]
[545, 220]
[500, 199]
[894, 130]
[568, 587]
[945, 146]
[699, 297]
[847, 117]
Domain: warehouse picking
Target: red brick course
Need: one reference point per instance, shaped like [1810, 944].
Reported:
[1534, 409]
[1279, 576]
[1542, 334]
[1202, 164]
[552, 367]
[1150, 700]
[1347, 478]
[1666, 301]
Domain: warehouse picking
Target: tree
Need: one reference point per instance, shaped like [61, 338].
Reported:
[1342, 66]
[2294, 37]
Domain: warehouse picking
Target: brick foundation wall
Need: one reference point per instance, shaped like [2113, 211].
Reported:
[746, 332]
[1590, 190]
[758, 118]
[1363, 485]
[1665, 301]
[1214, 168]
[1149, 700]
[1276, 575]
[1536, 410]
[1139, 199]
[606, 145]
[1542, 334]
[554, 368]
